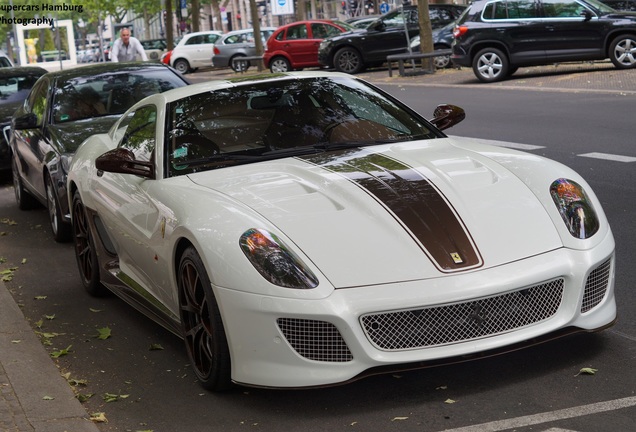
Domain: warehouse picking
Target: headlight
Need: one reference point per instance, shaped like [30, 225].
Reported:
[274, 261]
[575, 208]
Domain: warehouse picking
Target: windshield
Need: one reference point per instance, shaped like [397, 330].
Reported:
[284, 118]
[16, 88]
[101, 95]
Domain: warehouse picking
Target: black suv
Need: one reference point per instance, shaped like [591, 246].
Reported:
[353, 51]
[495, 37]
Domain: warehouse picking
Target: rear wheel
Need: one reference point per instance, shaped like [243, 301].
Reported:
[279, 64]
[24, 200]
[202, 325]
[182, 65]
[239, 65]
[490, 65]
[61, 230]
[85, 253]
[623, 51]
[348, 60]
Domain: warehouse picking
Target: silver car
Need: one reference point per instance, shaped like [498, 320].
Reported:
[238, 43]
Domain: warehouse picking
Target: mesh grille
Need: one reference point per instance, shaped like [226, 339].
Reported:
[596, 286]
[416, 328]
[315, 340]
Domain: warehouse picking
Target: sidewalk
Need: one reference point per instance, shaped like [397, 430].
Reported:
[35, 396]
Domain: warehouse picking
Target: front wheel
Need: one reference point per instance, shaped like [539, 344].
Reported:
[239, 65]
[348, 60]
[202, 326]
[279, 64]
[490, 65]
[182, 66]
[622, 51]
[61, 230]
[85, 253]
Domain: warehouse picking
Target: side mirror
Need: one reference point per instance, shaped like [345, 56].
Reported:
[377, 25]
[446, 116]
[586, 14]
[26, 121]
[123, 161]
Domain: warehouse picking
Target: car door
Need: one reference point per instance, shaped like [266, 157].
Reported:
[389, 35]
[199, 50]
[570, 35]
[298, 45]
[317, 32]
[31, 144]
[131, 216]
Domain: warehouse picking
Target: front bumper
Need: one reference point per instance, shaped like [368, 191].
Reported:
[290, 343]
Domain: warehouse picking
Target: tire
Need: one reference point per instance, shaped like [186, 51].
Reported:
[348, 60]
[202, 326]
[279, 64]
[85, 253]
[442, 62]
[490, 65]
[182, 66]
[622, 51]
[60, 229]
[239, 66]
[23, 199]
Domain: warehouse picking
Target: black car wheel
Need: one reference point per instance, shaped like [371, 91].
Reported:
[182, 66]
[279, 64]
[348, 60]
[61, 230]
[85, 254]
[24, 200]
[239, 65]
[203, 330]
[623, 51]
[490, 65]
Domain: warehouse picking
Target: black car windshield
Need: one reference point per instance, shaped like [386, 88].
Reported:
[16, 88]
[86, 97]
[283, 118]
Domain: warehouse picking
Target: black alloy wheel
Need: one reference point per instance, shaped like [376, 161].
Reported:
[202, 326]
[348, 60]
[61, 230]
[85, 253]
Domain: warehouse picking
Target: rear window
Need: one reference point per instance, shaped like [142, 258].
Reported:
[510, 10]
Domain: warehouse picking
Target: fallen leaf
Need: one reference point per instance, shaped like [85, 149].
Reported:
[103, 333]
[449, 401]
[84, 397]
[587, 371]
[24, 260]
[62, 352]
[94, 310]
[399, 418]
[99, 417]
[154, 347]
[40, 297]
[48, 398]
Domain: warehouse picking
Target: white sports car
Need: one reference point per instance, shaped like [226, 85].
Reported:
[308, 229]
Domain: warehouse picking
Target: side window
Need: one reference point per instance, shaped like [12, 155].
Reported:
[297, 32]
[562, 9]
[195, 40]
[140, 136]
[510, 10]
[318, 31]
[37, 101]
[332, 30]
[211, 38]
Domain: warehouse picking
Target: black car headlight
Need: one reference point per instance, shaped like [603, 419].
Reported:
[575, 208]
[275, 261]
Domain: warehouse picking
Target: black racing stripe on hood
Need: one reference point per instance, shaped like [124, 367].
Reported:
[412, 199]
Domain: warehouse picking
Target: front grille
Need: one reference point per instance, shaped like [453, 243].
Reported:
[315, 340]
[439, 325]
[596, 286]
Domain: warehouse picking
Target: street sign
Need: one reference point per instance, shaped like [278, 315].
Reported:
[384, 8]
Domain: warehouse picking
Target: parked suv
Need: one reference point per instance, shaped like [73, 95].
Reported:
[496, 37]
[351, 52]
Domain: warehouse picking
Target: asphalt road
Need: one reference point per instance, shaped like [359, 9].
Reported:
[536, 389]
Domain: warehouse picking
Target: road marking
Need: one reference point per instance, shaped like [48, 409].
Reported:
[607, 156]
[580, 411]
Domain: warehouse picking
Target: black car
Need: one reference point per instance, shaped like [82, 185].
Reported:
[497, 37]
[15, 84]
[352, 52]
[62, 110]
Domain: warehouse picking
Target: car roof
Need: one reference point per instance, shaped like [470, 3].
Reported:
[208, 86]
[16, 71]
[106, 68]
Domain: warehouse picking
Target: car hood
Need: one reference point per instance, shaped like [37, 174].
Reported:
[69, 136]
[395, 213]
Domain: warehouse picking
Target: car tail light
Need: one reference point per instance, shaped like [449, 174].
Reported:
[216, 51]
[459, 31]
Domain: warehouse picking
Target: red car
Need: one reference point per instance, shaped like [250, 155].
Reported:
[295, 45]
